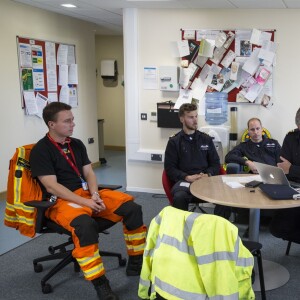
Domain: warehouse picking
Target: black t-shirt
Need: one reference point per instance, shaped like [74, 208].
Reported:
[46, 159]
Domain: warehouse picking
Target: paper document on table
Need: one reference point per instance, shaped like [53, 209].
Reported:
[240, 179]
[235, 185]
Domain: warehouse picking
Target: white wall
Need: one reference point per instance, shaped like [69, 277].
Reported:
[155, 30]
[110, 95]
[16, 128]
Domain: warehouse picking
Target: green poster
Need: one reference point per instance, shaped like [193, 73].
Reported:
[27, 80]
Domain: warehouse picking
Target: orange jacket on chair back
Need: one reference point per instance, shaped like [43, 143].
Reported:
[21, 187]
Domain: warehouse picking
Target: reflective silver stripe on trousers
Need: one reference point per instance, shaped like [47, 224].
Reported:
[172, 290]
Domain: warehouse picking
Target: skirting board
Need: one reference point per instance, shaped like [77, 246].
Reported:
[144, 190]
[3, 196]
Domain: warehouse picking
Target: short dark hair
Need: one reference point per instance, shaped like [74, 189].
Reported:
[52, 109]
[186, 107]
[254, 119]
[297, 117]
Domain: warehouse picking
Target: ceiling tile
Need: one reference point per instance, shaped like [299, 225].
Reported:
[256, 4]
[108, 13]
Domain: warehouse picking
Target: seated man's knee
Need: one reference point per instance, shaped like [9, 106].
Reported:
[132, 214]
[222, 211]
[181, 200]
[86, 230]
[282, 224]
[286, 224]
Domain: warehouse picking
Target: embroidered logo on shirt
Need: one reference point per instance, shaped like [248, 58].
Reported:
[204, 147]
[270, 145]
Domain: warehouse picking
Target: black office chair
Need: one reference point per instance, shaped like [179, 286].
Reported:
[254, 248]
[45, 225]
[288, 248]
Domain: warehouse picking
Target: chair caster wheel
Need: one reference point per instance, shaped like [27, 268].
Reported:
[38, 268]
[47, 288]
[122, 262]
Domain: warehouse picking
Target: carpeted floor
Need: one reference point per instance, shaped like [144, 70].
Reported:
[19, 281]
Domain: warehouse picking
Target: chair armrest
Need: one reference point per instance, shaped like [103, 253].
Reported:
[41, 207]
[109, 186]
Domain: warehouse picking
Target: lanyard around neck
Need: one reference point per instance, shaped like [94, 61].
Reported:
[70, 162]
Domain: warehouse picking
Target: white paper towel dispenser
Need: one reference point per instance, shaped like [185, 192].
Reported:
[109, 69]
[220, 135]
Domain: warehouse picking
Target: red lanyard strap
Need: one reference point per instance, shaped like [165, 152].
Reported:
[70, 162]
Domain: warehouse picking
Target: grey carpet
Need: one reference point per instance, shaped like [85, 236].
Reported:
[19, 281]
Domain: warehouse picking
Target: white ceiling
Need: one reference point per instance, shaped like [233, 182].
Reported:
[107, 14]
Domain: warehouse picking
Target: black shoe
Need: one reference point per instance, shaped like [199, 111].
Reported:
[103, 289]
[134, 265]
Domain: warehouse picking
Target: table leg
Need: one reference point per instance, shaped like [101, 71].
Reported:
[254, 220]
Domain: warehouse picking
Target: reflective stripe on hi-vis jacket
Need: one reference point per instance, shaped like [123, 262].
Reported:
[21, 187]
[195, 257]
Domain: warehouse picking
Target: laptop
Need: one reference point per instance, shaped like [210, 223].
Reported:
[275, 184]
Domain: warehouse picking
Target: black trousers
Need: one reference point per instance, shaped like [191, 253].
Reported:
[87, 228]
[181, 195]
[286, 224]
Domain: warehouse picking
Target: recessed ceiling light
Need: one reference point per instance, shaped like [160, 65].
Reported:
[150, 0]
[69, 5]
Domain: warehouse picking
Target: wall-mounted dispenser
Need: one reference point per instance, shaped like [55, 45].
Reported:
[168, 78]
[109, 69]
[220, 135]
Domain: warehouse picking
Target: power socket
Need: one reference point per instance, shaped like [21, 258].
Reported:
[156, 157]
[144, 116]
[91, 140]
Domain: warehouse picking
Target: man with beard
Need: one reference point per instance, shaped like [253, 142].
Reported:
[190, 155]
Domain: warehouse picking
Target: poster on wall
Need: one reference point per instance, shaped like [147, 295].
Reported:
[48, 72]
[238, 62]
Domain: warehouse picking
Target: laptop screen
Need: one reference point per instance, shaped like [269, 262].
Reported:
[271, 174]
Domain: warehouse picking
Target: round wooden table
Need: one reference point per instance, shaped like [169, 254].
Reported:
[214, 190]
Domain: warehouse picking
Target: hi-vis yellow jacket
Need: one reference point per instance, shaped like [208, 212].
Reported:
[195, 257]
[21, 187]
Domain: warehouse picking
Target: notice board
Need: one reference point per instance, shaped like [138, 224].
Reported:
[238, 62]
[48, 72]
